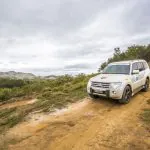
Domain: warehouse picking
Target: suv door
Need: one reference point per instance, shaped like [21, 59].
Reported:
[147, 71]
[135, 77]
[141, 74]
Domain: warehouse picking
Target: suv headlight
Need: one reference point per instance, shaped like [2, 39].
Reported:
[115, 85]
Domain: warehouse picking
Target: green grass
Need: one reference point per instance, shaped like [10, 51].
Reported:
[145, 116]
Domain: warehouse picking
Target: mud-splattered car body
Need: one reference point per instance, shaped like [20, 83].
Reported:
[120, 80]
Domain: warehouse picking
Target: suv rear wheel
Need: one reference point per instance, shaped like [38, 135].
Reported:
[146, 86]
[126, 95]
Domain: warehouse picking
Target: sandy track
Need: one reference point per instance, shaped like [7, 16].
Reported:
[17, 104]
[86, 125]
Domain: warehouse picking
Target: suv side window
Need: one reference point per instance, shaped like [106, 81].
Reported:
[134, 66]
[141, 66]
[145, 65]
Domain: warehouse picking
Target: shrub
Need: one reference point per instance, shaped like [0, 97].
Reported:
[11, 83]
[5, 94]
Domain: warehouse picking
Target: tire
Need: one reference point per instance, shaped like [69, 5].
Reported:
[126, 95]
[93, 96]
[146, 86]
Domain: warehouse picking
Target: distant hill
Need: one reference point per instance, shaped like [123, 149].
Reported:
[48, 77]
[17, 75]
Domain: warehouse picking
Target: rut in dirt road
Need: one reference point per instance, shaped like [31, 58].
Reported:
[17, 103]
[101, 124]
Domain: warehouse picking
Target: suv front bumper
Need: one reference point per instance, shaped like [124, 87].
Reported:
[109, 93]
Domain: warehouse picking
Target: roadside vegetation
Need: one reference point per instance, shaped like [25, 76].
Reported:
[145, 116]
[12, 88]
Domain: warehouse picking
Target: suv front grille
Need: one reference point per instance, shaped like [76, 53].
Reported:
[101, 84]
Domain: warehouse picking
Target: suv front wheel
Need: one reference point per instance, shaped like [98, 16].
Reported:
[126, 95]
[146, 86]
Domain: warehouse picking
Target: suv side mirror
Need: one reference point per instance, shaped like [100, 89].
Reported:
[135, 72]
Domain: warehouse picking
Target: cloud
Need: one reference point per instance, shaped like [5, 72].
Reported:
[78, 66]
[137, 19]
[68, 36]
[54, 17]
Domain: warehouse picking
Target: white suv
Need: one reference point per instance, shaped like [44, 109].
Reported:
[120, 80]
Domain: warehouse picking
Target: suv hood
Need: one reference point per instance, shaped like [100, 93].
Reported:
[110, 78]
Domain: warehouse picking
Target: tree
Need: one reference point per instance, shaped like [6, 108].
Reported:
[132, 52]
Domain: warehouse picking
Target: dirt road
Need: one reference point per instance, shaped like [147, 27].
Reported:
[87, 125]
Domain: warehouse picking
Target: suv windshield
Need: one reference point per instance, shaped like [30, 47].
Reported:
[117, 69]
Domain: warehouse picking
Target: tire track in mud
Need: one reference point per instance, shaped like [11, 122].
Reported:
[100, 124]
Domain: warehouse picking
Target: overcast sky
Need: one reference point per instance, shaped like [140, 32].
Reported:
[68, 36]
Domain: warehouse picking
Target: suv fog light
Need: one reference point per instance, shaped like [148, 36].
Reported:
[114, 92]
